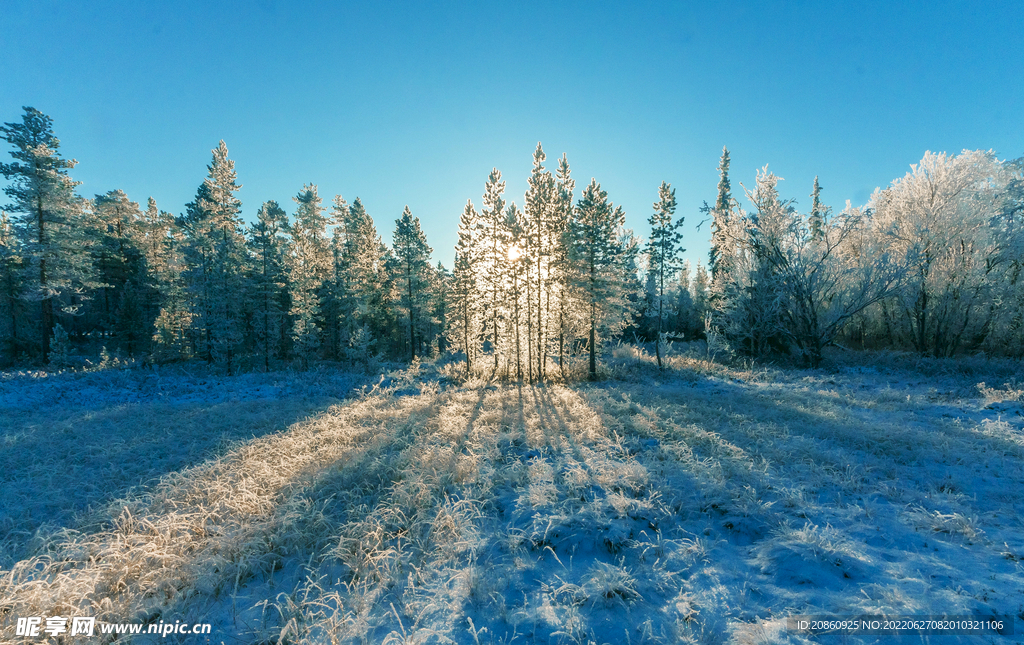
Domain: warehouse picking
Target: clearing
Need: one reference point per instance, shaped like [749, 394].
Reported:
[704, 504]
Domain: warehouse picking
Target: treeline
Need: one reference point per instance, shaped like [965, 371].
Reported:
[933, 265]
[79, 274]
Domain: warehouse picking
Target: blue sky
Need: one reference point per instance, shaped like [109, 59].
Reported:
[415, 103]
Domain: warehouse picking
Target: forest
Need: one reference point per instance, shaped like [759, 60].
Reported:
[932, 264]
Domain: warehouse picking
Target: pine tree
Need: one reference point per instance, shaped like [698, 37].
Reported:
[663, 252]
[561, 269]
[599, 263]
[50, 221]
[270, 247]
[338, 304]
[413, 254]
[164, 248]
[541, 202]
[120, 265]
[309, 269]
[215, 254]
[440, 297]
[518, 262]
[366, 286]
[465, 288]
[494, 261]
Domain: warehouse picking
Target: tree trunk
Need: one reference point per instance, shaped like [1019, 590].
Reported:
[593, 341]
[47, 304]
[465, 334]
[515, 310]
[657, 340]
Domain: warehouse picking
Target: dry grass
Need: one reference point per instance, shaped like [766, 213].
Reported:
[687, 505]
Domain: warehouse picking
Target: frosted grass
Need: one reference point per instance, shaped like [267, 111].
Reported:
[702, 504]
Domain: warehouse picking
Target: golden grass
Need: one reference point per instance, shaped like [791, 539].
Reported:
[497, 513]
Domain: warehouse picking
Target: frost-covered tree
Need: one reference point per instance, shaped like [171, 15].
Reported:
[120, 266]
[414, 275]
[942, 220]
[663, 254]
[824, 279]
[560, 266]
[518, 264]
[819, 212]
[599, 265]
[685, 313]
[309, 268]
[494, 262]
[171, 310]
[270, 245]
[440, 298]
[215, 253]
[365, 285]
[50, 221]
[797, 280]
[749, 299]
[465, 310]
[723, 216]
[1007, 335]
[541, 204]
[700, 291]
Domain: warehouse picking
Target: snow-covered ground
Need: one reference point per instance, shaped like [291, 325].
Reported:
[70, 443]
[703, 504]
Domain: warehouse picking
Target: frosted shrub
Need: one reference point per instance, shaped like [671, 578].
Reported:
[1011, 391]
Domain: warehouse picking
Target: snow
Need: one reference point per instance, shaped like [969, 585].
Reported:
[704, 504]
[73, 442]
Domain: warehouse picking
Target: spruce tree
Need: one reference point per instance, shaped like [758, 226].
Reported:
[338, 310]
[157, 241]
[366, 288]
[818, 213]
[720, 259]
[440, 297]
[685, 319]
